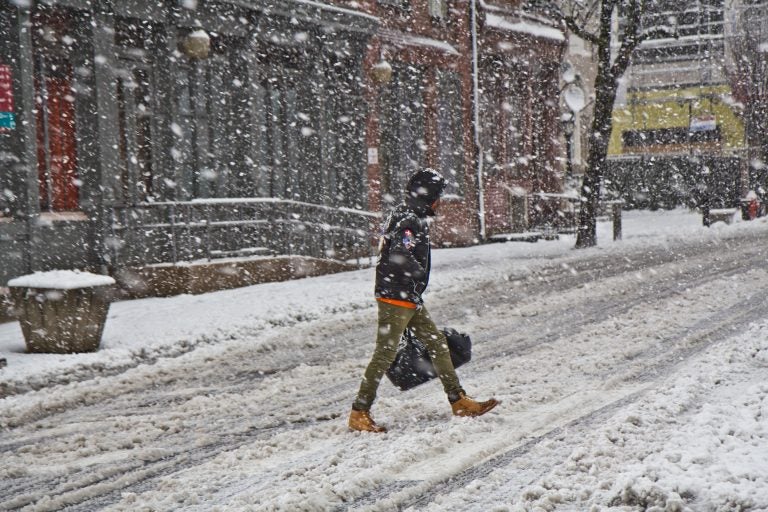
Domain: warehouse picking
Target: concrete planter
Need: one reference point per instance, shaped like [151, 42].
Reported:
[61, 312]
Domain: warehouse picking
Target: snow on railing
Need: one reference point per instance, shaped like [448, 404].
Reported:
[161, 232]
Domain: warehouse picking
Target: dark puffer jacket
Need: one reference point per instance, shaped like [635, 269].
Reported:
[402, 271]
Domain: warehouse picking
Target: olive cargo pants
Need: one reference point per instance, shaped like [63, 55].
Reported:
[393, 320]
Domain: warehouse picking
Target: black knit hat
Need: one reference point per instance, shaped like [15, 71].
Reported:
[426, 186]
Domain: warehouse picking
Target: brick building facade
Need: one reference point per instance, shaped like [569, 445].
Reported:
[138, 133]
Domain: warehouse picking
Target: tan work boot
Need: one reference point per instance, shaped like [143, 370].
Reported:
[362, 421]
[465, 406]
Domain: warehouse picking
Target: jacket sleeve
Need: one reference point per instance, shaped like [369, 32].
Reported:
[400, 254]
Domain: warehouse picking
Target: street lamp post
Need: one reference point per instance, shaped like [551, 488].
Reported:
[575, 99]
[568, 127]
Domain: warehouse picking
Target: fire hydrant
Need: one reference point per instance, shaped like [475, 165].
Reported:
[753, 205]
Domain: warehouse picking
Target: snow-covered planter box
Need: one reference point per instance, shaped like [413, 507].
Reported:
[61, 311]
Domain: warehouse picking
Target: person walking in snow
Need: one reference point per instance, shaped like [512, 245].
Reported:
[402, 274]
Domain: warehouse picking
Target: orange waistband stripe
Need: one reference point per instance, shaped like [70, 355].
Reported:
[396, 302]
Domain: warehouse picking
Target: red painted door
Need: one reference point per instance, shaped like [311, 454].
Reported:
[57, 143]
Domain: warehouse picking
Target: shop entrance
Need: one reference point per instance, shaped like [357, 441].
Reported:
[55, 100]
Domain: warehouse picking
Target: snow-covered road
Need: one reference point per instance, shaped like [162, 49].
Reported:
[632, 376]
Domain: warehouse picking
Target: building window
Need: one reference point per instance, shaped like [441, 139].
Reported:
[402, 4]
[544, 115]
[504, 107]
[699, 26]
[212, 147]
[490, 120]
[285, 127]
[513, 106]
[135, 109]
[134, 102]
[450, 146]
[284, 136]
[343, 140]
[438, 9]
[692, 19]
[670, 137]
[403, 148]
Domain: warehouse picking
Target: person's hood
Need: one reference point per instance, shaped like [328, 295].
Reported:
[423, 189]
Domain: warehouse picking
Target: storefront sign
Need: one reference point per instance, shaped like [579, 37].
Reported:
[703, 123]
[373, 156]
[7, 117]
[7, 121]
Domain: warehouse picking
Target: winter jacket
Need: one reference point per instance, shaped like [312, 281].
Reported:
[402, 271]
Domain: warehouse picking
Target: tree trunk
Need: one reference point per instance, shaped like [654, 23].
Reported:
[606, 83]
[760, 129]
[756, 120]
[602, 123]
[593, 176]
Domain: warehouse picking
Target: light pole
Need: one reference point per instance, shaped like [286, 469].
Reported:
[575, 99]
[568, 127]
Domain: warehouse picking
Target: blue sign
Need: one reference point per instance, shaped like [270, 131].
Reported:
[7, 121]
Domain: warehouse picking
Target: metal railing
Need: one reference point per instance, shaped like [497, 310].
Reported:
[559, 214]
[170, 232]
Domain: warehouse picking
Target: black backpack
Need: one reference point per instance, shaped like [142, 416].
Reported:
[412, 365]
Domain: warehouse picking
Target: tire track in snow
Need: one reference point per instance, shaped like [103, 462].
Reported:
[706, 334]
[418, 494]
[568, 319]
[554, 279]
[112, 480]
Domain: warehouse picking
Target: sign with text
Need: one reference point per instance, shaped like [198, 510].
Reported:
[7, 121]
[7, 117]
[373, 156]
[703, 123]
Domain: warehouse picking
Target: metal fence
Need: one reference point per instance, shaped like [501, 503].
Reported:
[553, 214]
[558, 214]
[213, 228]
